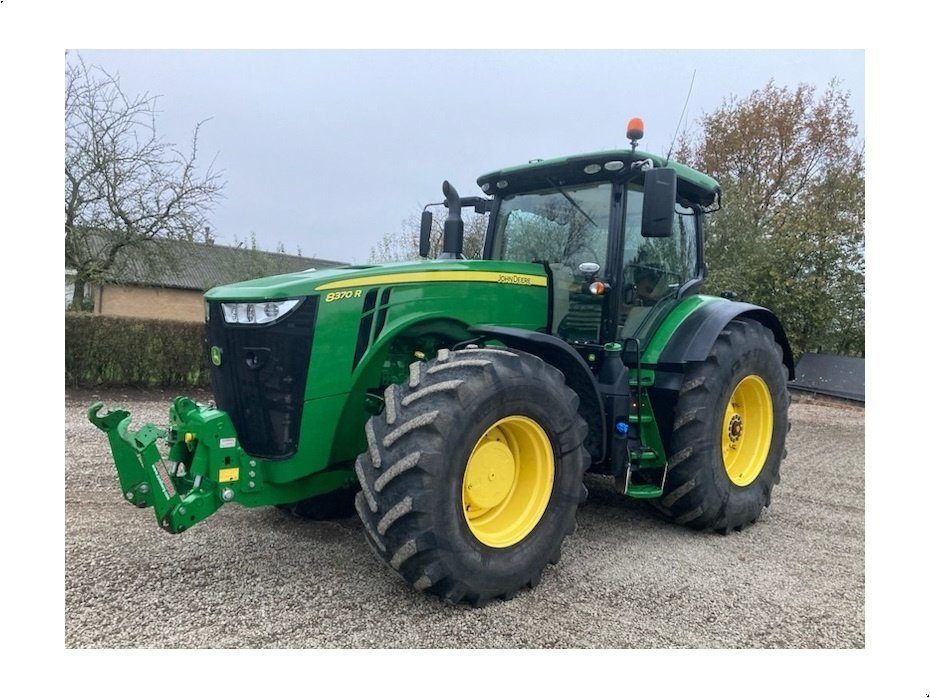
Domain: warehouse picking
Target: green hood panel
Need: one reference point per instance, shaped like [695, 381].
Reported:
[342, 278]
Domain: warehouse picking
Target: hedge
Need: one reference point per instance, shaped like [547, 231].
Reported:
[102, 350]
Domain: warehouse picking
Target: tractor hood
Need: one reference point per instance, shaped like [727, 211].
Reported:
[355, 277]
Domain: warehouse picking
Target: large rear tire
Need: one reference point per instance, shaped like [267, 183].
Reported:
[728, 436]
[473, 473]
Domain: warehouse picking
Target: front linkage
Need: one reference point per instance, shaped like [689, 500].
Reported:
[205, 467]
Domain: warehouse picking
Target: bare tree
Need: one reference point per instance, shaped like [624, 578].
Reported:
[124, 184]
[404, 244]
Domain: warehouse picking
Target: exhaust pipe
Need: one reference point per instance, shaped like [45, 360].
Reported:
[453, 231]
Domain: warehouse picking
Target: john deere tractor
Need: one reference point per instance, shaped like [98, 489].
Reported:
[461, 402]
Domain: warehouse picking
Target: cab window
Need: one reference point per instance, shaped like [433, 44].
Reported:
[564, 227]
[654, 269]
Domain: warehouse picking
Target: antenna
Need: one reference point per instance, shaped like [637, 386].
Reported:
[687, 99]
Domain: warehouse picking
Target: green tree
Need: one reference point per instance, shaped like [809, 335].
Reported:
[790, 234]
[404, 244]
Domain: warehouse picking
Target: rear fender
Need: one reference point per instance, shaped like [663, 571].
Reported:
[696, 334]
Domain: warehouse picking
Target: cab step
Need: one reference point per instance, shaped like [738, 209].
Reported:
[646, 462]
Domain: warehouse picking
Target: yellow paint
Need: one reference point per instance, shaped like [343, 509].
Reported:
[495, 277]
[746, 436]
[508, 481]
[342, 295]
[229, 474]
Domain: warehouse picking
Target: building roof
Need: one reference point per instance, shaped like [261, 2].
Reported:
[199, 266]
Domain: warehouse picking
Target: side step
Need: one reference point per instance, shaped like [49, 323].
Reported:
[644, 460]
[647, 463]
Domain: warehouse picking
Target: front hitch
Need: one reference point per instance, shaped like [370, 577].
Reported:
[201, 469]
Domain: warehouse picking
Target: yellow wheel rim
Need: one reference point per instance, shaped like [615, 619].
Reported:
[747, 430]
[508, 481]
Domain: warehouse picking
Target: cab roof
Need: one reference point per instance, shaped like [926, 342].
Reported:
[540, 174]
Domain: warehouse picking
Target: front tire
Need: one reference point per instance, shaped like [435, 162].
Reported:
[728, 436]
[473, 473]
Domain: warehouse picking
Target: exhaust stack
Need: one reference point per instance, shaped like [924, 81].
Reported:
[453, 231]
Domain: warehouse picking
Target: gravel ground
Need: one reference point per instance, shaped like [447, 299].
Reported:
[259, 578]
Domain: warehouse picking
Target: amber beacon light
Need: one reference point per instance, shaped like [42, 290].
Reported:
[634, 131]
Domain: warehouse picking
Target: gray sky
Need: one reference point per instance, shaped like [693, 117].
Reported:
[326, 151]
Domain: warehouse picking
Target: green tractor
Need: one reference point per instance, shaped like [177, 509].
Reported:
[460, 403]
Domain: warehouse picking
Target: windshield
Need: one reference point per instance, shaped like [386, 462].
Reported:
[563, 225]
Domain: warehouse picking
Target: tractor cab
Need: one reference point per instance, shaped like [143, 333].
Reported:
[618, 232]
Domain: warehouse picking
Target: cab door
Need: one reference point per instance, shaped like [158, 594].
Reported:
[654, 271]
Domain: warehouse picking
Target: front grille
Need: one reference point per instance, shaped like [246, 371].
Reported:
[262, 376]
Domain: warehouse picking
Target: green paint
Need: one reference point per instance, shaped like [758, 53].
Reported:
[673, 319]
[305, 283]
[340, 394]
[214, 467]
[707, 186]
[652, 455]
[415, 310]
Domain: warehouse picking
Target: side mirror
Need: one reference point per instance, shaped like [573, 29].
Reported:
[426, 229]
[660, 190]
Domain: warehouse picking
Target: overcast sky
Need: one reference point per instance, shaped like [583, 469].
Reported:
[327, 151]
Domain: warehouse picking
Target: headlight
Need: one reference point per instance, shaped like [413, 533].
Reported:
[257, 313]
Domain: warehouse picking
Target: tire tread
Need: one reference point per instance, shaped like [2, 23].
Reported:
[407, 439]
